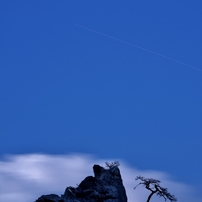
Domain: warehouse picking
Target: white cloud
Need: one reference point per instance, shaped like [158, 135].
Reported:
[24, 178]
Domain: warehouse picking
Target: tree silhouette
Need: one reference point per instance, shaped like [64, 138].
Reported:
[153, 186]
[112, 164]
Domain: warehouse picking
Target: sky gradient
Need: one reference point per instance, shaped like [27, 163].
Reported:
[67, 89]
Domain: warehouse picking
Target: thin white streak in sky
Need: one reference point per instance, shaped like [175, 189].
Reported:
[144, 49]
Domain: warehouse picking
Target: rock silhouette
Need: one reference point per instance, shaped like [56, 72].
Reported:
[105, 186]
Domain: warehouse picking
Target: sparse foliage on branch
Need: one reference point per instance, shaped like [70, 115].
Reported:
[153, 185]
[112, 164]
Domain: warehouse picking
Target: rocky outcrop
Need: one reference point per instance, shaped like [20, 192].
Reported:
[105, 186]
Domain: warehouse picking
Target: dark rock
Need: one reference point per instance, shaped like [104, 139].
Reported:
[105, 186]
[49, 198]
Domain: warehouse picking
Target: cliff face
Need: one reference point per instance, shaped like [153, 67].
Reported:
[105, 186]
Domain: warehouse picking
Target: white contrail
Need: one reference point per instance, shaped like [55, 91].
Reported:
[144, 49]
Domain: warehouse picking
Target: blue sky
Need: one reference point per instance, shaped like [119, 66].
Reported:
[66, 89]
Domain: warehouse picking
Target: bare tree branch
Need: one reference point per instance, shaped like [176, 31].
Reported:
[112, 164]
[153, 185]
